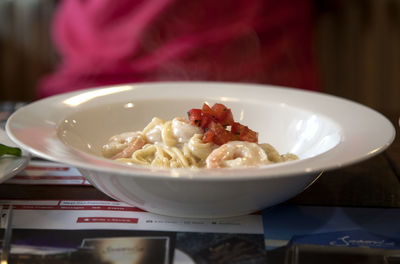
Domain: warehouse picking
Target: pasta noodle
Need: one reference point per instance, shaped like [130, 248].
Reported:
[179, 144]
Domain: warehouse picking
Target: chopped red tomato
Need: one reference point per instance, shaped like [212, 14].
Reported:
[208, 136]
[228, 119]
[243, 133]
[220, 111]
[195, 116]
[206, 119]
[215, 120]
[238, 129]
[221, 135]
[250, 136]
[207, 109]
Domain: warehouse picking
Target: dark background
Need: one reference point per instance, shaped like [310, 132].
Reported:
[357, 44]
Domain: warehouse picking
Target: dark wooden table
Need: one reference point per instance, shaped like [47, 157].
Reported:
[371, 183]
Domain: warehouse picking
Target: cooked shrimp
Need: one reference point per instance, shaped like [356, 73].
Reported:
[237, 154]
[122, 144]
[183, 130]
[137, 143]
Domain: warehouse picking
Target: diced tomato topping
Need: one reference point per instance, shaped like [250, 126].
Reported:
[207, 109]
[238, 128]
[243, 133]
[195, 117]
[215, 120]
[222, 135]
[250, 136]
[208, 136]
[220, 111]
[206, 119]
[228, 120]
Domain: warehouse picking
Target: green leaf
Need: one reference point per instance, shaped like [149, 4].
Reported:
[6, 150]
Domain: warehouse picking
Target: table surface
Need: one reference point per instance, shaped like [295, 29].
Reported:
[371, 183]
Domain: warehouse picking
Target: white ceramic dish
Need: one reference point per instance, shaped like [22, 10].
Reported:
[10, 165]
[326, 132]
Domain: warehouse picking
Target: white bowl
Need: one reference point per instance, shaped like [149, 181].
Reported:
[326, 132]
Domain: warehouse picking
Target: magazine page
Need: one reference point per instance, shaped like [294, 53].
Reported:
[114, 232]
[323, 234]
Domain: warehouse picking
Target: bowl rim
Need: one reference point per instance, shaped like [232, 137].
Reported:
[368, 142]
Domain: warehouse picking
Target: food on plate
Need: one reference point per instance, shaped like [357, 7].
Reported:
[209, 138]
[7, 150]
